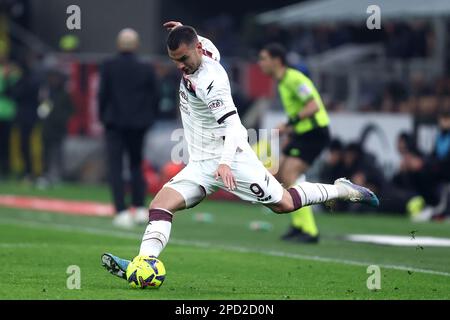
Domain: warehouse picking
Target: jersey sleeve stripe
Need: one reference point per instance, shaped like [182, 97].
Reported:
[207, 53]
[224, 117]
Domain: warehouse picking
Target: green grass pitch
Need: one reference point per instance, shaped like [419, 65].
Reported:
[222, 259]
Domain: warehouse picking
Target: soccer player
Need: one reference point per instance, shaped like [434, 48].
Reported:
[220, 156]
[307, 128]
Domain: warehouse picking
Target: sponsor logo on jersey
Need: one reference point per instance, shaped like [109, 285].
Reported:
[215, 104]
[185, 109]
[184, 102]
[183, 97]
[189, 86]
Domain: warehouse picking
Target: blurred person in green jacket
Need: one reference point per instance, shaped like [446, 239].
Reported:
[9, 75]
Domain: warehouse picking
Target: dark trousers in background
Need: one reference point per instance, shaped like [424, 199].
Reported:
[120, 141]
[53, 157]
[25, 147]
[427, 184]
[5, 138]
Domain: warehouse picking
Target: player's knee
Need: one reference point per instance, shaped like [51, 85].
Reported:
[283, 207]
[157, 204]
[168, 199]
[277, 209]
[287, 207]
[153, 205]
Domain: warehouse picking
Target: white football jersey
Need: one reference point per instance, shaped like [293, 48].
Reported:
[209, 49]
[205, 102]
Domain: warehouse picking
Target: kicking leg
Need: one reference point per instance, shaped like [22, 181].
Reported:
[156, 234]
[256, 184]
[179, 193]
[306, 194]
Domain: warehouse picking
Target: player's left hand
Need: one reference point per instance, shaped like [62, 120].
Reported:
[224, 171]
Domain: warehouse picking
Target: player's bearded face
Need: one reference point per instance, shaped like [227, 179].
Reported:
[187, 57]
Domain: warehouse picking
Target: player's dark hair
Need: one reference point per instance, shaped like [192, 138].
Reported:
[277, 50]
[181, 35]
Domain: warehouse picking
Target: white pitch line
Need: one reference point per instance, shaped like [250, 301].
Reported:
[22, 245]
[207, 245]
[308, 257]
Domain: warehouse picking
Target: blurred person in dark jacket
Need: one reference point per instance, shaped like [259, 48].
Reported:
[403, 178]
[356, 164]
[55, 111]
[128, 101]
[26, 95]
[332, 166]
[361, 166]
[432, 173]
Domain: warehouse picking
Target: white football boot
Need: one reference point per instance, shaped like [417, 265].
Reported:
[356, 193]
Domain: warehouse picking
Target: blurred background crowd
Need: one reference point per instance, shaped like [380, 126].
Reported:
[49, 78]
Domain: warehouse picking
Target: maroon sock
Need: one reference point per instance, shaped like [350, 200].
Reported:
[295, 198]
[160, 215]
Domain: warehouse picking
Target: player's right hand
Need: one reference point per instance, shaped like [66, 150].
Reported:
[224, 172]
[169, 25]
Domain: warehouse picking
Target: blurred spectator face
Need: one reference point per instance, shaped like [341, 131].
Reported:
[402, 145]
[417, 81]
[405, 107]
[350, 158]
[444, 121]
[267, 63]
[334, 153]
[334, 157]
[351, 155]
[187, 58]
[427, 105]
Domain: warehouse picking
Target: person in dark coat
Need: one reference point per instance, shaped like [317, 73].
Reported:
[128, 100]
[26, 95]
[55, 111]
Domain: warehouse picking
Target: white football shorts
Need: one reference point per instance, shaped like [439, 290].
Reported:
[254, 182]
